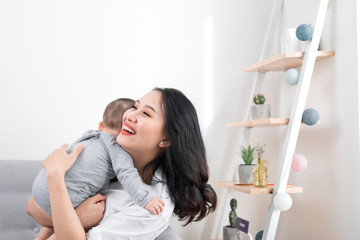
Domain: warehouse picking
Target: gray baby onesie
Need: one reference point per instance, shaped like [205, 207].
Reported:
[101, 160]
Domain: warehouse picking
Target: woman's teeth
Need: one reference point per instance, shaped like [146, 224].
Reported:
[128, 130]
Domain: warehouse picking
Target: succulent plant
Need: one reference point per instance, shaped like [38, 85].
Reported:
[232, 214]
[248, 154]
[259, 99]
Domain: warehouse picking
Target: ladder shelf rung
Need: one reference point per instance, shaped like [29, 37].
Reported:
[251, 189]
[265, 122]
[284, 61]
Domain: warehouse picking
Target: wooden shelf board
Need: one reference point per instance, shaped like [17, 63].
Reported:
[284, 61]
[251, 189]
[266, 122]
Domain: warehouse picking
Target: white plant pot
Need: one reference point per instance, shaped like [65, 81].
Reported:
[260, 111]
[230, 233]
[246, 173]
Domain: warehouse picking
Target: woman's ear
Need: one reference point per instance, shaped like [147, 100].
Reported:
[100, 126]
[164, 143]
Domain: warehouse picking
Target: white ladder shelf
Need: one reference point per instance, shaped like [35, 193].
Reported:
[295, 118]
[280, 62]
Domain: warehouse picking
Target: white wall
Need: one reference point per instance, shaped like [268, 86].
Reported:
[62, 62]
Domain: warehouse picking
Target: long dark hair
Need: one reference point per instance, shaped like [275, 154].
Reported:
[184, 162]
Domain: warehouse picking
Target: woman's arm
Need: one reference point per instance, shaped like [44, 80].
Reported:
[67, 225]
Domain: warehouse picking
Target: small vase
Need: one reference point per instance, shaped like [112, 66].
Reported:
[260, 173]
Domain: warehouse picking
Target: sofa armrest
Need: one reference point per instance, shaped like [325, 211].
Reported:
[16, 178]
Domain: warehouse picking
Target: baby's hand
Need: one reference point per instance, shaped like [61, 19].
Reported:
[155, 206]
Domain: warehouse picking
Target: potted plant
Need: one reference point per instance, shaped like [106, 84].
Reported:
[230, 232]
[246, 170]
[260, 110]
[260, 171]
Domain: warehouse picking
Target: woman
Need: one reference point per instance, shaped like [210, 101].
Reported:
[162, 134]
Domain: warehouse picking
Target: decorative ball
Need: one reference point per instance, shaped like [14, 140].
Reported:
[292, 76]
[310, 117]
[259, 235]
[299, 163]
[282, 201]
[304, 32]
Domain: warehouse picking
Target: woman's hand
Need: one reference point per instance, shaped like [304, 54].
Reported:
[91, 211]
[59, 161]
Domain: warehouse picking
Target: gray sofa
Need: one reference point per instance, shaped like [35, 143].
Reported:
[16, 177]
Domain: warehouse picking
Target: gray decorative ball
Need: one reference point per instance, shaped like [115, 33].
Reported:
[310, 116]
[304, 32]
[259, 235]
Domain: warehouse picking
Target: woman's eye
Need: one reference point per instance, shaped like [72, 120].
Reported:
[134, 107]
[147, 114]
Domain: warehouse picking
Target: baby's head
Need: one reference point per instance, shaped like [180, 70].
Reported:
[113, 114]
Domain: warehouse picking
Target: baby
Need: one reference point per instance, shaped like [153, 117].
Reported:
[101, 160]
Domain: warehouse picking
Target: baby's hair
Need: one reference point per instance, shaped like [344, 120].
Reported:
[114, 111]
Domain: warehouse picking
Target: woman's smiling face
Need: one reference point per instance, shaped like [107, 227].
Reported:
[143, 126]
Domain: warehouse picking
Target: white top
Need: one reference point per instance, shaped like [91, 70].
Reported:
[124, 219]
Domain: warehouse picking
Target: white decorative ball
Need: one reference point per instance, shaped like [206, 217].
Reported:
[292, 76]
[282, 201]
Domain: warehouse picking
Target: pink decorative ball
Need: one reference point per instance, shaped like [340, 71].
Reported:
[299, 163]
